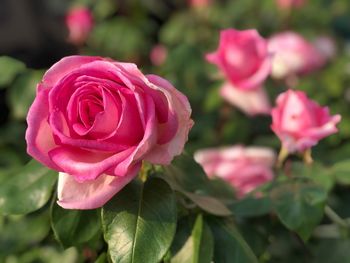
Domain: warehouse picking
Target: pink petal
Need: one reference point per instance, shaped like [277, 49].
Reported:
[39, 134]
[63, 67]
[86, 165]
[90, 194]
[251, 102]
[164, 153]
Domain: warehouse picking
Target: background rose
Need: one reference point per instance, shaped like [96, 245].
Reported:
[96, 120]
[242, 57]
[286, 4]
[292, 55]
[300, 122]
[244, 168]
[79, 22]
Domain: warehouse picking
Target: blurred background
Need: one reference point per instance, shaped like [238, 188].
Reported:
[169, 38]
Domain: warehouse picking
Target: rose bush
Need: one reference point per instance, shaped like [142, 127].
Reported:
[95, 120]
[244, 168]
[300, 122]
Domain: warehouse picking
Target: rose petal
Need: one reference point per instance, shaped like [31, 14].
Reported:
[39, 134]
[86, 165]
[164, 153]
[251, 102]
[63, 67]
[90, 194]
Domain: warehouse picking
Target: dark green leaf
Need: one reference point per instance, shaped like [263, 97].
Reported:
[139, 222]
[209, 195]
[19, 232]
[22, 93]
[251, 206]
[316, 172]
[209, 204]
[27, 189]
[299, 205]
[9, 68]
[198, 248]
[229, 244]
[341, 171]
[74, 227]
[332, 251]
[102, 258]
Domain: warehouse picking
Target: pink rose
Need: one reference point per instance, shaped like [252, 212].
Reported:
[287, 4]
[251, 102]
[244, 168]
[95, 120]
[199, 3]
[293, 55]
[300, 122]
[242, 57]
[158, 55]
[79, 22]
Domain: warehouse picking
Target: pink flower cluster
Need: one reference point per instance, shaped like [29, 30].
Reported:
[245, 59]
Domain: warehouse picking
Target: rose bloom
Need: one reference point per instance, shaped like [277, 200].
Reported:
[287, 4]
[79, 22]
[293, 55]
[158, 55]
[300, 122]
[95, 120]
[199, 3]
[243, 58]
[244, 168]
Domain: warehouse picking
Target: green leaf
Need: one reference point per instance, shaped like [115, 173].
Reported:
[299, 205]
[208, 204]
[22, 93]
[102, 258]
[230, 246]
[20, 232]
[332, 251]
[9, 68]
[316, 172]
[251, 206]
[341, 171]
[209, 195]
[139, 223]
[199, 246]
[27, 189]
[74, 227]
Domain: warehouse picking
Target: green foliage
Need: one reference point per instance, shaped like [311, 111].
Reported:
[179, 214]
[26, 189]
[74, 227]
[22, 93]
[139, 223]
[229, 244]
[199, 245]
[299, 205]
[9, 69]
